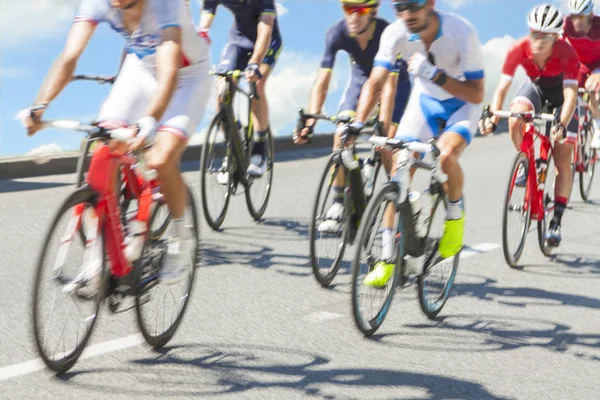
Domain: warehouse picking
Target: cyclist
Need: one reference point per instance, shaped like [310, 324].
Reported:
[162, 89]
[446, 61]
[254, 45]
[359, 35]
[582, 31]
[552, 66]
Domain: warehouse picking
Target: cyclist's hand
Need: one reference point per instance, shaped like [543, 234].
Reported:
[253, 73]
[419, 65]
[305, 135]
[488, 122]
[559, 132]
[146, 127]
[593, 83]
[32, 121]
[350, 133]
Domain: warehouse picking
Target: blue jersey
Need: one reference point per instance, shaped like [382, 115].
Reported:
[247, 15]
[338, 38]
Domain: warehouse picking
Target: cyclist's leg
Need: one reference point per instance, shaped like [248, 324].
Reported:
[403, 91]
[260, 110]
[232, 58]
[528, 98]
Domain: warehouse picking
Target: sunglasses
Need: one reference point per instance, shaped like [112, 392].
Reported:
[411, 6]
[360, 10]
[542, 36]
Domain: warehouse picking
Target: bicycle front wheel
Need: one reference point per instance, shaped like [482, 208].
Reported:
[258, 191]
[370, 304]
[160, 307]
[56, 295]
[517, 213]
[590, 157]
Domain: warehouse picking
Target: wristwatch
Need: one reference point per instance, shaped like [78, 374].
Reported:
[441, 79]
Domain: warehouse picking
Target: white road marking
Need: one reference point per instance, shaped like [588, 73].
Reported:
[110, 346]
[470, 251]
[322, 316]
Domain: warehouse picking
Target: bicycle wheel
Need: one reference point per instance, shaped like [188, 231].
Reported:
[548, 203]
[58, 268]
[216, 172]
[259, 190]
[325, 266]
[521, 209]
[155, 299]
[586, 176]
[369, 310]
[433, 293]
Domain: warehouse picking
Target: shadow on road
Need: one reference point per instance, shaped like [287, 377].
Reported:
[237, 370]
[568, 265]
[9, 185]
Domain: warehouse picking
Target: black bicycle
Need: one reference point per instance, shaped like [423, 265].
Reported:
[416, 233]
[329, 233]
[226, 154]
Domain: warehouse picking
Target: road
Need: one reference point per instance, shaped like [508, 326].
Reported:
[259, 326]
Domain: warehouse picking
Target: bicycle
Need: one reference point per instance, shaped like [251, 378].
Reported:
[416, 232]
[585, 159]
[93, 208]
[354, 203]
[537, 202]
[235, 149]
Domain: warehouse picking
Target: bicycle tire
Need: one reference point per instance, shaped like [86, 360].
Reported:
[513, 258]
[369, 326]
[590, 166]
[325, 280]
[441, 301]
[161, 340]
[542, 223]
[258, 212]
[81, 195]
[214, 223]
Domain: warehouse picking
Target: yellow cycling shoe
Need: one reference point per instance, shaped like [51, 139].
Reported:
[380, 275]
[452, 241]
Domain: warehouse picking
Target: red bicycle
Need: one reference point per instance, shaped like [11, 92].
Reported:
[585, 159]
[94, 210]
[534, 200]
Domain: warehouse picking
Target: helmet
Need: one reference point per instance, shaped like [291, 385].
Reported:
[585, 7]
[366, 3]
[545, 18]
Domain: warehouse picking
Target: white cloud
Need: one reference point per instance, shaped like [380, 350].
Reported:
[281, 10]
[43, 153]
[494, 53]
[13, 72]
[455, 4]
[21, 21]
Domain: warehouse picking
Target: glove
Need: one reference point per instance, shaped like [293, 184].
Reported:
[254, 68]
[147, 129]
[353, 129]
[420, 66]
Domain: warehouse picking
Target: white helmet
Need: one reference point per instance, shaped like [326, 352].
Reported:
[584, 7]
[545, 18]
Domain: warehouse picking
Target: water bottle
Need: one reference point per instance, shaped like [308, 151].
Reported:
[415, 204]
[541, 169]
[421, 206]
[134, 241]
[368, 171]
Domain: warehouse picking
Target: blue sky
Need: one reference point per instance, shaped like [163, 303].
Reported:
[29, 48]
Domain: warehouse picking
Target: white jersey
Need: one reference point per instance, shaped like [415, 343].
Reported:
[456, 50]
[157, 15]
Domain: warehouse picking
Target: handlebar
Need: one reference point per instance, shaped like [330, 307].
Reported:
[394, 144]
[100, 79]
[528, 116]
[231, 75]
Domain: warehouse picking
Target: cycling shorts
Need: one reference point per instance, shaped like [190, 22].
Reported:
[427, 117]
[236, 57]
[132, 92]
[546, 99]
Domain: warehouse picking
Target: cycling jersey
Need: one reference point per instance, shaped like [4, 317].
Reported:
[457, 51]
[338, 38]
[157, 15]
[586, 46]
[561, 68]
[247, 15]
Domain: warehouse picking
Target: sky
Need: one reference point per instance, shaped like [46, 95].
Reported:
[32, 34]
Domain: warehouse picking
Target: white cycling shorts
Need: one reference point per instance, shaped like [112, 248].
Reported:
[133, 90]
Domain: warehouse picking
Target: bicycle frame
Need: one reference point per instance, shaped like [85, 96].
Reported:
[585, 121]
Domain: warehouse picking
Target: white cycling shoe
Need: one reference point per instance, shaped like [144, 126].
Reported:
[178, 260]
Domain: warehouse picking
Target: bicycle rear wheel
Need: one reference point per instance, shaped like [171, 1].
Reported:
[434, 294]
[216, 175]
[155, 299]
[521, 208]
[325, 266]
[258, 191]
[52, 268]
[371, 308]
[590, 157]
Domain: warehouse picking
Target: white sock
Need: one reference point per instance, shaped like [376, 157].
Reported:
[454, 210]
[387, 244]
[180, 229]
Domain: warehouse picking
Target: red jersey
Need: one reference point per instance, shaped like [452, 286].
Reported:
[561, 67]
[587, 46]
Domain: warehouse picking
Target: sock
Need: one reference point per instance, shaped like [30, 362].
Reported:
[338, 194]
[454, 210]
[559, 208]
[180, 229]
[387, 244]
[259, 142]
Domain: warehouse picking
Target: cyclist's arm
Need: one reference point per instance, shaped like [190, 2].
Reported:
[570, 92]
[471, 91]
[62, 70]
[263, 37]
[388, 101]
[319, 93]
[167, 64]
[370, 92]
[207, 15]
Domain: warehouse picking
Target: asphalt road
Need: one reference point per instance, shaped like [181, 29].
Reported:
[259, 326]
